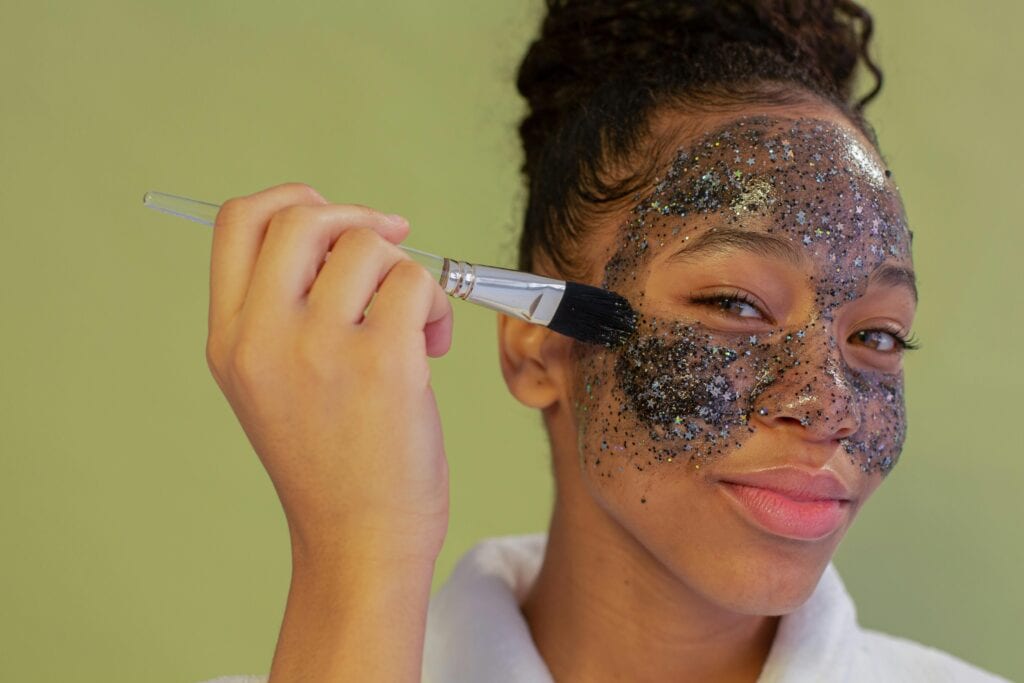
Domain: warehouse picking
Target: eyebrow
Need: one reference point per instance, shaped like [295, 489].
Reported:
[725, 240]
[892, 275]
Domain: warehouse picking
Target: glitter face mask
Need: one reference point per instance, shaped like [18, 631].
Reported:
[681, 391]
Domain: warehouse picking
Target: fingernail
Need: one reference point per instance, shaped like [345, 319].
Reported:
[396, 219]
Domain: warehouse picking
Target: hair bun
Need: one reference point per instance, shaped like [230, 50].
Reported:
[585, 43]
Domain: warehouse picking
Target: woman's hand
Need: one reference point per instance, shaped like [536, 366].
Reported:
[337, 405]
[336, 400]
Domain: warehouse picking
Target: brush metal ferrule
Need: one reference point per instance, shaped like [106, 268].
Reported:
[532, 298]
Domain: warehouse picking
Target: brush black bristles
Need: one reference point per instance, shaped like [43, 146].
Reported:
[593, 315]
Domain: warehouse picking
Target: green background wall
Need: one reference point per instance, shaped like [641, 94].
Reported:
[142, 539]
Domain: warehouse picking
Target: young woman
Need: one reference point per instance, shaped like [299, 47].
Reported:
[705, 160]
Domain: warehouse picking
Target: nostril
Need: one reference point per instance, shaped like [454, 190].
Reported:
[802, 421]
[818, 416]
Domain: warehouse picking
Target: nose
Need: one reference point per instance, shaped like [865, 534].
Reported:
[812, 393]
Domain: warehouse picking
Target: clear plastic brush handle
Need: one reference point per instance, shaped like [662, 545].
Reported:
[206, 213]
[532, 298]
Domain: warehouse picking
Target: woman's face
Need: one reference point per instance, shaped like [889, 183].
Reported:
[760, 403]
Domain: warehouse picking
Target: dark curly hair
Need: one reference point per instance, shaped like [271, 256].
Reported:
[600, 69]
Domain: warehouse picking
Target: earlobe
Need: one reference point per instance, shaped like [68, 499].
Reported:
[533, 373]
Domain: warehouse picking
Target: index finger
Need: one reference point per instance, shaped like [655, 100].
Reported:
[237, 237]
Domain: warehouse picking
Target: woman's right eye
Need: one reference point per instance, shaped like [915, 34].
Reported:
[732, 304]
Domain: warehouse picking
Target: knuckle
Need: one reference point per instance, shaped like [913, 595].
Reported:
[231, 211]
[412, 275]
[249, 361]
[304, 192]
[214, 354]
[366, 214]
[312, 359]
[360, 238]
[328, 365]
[293, 216]
[376, 361]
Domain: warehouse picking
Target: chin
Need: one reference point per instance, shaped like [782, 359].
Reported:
[695, 538]
[776, 588]
[767, 576]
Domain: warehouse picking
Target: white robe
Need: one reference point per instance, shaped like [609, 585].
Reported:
[477, 634]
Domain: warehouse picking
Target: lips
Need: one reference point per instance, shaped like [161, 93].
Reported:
[790, 502]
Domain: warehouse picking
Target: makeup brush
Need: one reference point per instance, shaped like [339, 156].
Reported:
[588, 314]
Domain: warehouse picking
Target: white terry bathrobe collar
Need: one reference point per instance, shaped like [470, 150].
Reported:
[476, 631]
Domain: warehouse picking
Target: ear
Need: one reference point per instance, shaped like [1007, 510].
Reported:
[534, 361]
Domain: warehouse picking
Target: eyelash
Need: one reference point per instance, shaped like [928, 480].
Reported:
[906, 343]
[718, 300]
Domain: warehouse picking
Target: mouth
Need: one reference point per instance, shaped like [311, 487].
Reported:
[790, 502]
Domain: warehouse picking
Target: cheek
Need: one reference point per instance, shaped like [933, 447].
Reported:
[674, 392]
[878, 442]
[685, 391]
[680, 393]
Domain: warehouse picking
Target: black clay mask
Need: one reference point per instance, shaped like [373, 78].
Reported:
[680, 390]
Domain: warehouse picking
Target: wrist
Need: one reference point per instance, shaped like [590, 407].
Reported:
[354, 615]
[369, 544]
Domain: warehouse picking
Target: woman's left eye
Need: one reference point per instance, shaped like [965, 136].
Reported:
[883, 341]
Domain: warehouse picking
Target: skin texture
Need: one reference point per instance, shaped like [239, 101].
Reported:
[651, 572]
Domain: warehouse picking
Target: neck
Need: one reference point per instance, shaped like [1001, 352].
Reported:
[603, 609]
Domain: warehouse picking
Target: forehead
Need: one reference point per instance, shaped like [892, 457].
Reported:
[810, 190]
[814, 155]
